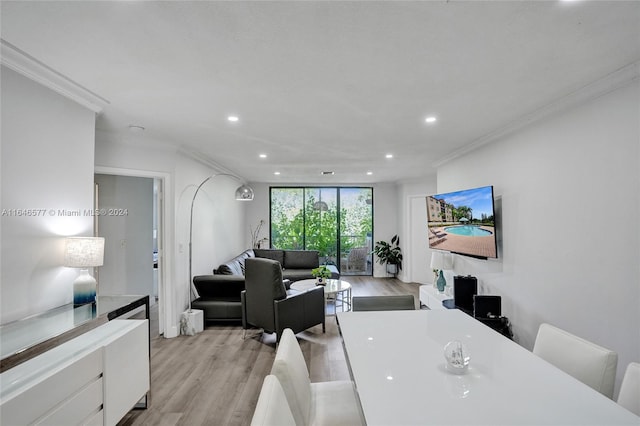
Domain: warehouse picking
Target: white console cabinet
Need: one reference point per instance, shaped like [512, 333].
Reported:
[93, 379]
[431, 298]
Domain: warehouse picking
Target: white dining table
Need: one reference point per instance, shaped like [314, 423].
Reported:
[396, 359]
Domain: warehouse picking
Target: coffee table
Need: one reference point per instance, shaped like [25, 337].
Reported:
[338, 291]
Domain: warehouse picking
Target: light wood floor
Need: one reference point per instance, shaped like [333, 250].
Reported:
[214, 377]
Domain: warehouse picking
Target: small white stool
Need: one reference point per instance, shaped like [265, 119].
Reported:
[192, 322]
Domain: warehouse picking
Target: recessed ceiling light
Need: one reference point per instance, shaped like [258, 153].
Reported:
[369, 173]
[431, 119]
[233, 118]
[327, 173]
[276, 173]
[389, 156]
[263, 155]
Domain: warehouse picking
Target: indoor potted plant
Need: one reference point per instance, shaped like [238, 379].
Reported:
[389, 254]
[321, 273]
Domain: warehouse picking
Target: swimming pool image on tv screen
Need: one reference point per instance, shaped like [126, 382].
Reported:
[463, 222]
[468, 231]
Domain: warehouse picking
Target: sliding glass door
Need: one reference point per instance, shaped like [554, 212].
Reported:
[321, 222]
[356, 231]
[335, 221]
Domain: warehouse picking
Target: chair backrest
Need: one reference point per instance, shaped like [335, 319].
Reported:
[629, 396]
[357, 258]
[593, 365]
[263, 284]
[383, 303]
[291, 370]
[272, 408]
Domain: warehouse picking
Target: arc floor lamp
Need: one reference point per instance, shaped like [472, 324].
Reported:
[243, 193]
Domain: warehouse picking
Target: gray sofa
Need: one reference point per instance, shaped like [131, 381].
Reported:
[219, 293]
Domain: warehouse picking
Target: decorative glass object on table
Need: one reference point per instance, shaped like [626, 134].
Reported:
[457, 356]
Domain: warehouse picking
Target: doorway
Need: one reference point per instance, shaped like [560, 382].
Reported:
[130, 221]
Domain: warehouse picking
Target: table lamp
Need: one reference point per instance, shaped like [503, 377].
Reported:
[84, 253]
[441, 261]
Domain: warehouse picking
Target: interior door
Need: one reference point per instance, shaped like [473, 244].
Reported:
[128, 219]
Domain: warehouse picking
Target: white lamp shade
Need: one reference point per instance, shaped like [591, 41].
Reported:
[84, 252]
[448, 261]
[441, 260]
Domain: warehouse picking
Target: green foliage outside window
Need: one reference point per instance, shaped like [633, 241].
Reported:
[307, 218]
[321, 228]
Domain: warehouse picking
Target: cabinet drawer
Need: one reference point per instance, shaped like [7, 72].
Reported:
[79, 408]
[47, 390]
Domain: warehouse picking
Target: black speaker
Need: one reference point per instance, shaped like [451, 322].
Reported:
[464, 288]
[500, 324]
[487, 306]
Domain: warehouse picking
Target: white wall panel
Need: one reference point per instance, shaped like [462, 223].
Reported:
[47, 150]
[569, 195]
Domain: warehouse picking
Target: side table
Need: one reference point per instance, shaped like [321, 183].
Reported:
[338, 291]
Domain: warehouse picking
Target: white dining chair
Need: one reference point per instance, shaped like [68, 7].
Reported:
[593, 365]
[272, 408]
[325, 403]
[629, 396]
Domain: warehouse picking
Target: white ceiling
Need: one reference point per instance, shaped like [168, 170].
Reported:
[324, 85]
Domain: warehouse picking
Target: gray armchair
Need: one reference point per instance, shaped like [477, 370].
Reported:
[266, 303]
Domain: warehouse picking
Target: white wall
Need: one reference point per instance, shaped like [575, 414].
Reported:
[218, 224]
[568, 192]
[47, 163]
[219, 221]
[258, 210]
[414, 233]
[149, 158]
[386, 221]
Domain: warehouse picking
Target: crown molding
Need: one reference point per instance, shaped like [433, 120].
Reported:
[600, 87]
[205, 160]
[30, 67]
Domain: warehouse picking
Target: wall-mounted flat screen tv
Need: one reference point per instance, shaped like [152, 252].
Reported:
[463, 222]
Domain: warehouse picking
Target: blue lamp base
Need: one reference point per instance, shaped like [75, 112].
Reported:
[84, 289]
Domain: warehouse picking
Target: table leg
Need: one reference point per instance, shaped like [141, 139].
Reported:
[326, 305]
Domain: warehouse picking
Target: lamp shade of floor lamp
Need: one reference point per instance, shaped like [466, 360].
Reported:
[190, 320]
[84, 253]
